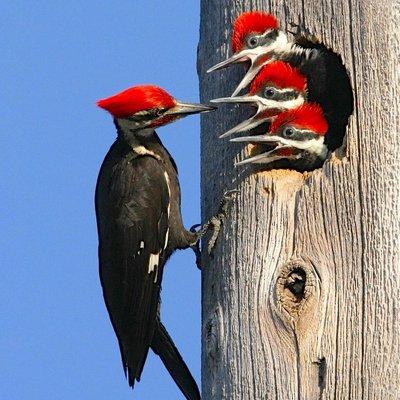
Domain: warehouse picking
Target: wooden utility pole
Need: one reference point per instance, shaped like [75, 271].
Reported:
[265, 336]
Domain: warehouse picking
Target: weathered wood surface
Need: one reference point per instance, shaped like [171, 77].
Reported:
[341, 223]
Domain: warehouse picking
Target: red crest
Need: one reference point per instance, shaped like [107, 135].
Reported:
[308, 116]
[135, 99]
[280, 75]
[257, 22]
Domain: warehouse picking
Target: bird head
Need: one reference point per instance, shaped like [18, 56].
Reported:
[297, 135]
[148, 106]
[277, 87]
[255, 36]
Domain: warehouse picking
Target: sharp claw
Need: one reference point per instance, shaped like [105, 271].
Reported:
[194, 227]
[215, 223]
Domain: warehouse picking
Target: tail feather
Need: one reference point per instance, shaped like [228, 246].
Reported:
[163, 345]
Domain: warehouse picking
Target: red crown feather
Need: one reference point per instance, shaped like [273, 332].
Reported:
[281, 75]
[308, 116]
[135, 99]
[257, 22]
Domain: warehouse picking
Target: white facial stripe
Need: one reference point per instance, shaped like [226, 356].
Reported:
[280, 42]
[312, 146]
[265, 104]
[285, 90]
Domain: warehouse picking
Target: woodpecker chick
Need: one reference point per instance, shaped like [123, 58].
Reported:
[277, 87]
[140, 225]
[254, 36]
[298, 136]
[257, 38]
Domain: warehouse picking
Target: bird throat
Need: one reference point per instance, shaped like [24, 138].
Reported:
[141, 141]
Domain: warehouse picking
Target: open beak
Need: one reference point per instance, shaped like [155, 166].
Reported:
[257, 119]
[278, 153]
[183, 109]
[255, 56]
[300, 145]
[244, 55]
[284, 149]
[250, 75]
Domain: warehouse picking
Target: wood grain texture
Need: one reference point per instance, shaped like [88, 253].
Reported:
[340, 224]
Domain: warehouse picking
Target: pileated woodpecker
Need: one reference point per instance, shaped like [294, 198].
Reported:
[140, 225]
[256, 38]
[276, 88]
[299, 136]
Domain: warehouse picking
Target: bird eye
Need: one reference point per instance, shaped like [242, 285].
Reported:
[252, 42]
[269, 92]
[288, 132]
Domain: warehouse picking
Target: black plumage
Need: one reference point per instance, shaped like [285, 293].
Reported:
[140, 225]
[328, 84]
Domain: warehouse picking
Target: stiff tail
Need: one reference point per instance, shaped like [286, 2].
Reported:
[163, 345]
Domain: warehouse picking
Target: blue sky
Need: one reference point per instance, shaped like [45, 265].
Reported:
[57, 59]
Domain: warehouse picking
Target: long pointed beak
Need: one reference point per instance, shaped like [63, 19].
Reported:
[243, 126]
[260, 139]
[237, 99]
[312, 145]
[270, 156]
[238, 57]
[250, 75]
[257, 119]
[184, 109]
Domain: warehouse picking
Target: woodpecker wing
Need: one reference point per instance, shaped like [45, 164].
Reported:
[132, 199]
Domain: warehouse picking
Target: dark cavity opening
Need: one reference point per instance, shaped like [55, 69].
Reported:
[296, 282]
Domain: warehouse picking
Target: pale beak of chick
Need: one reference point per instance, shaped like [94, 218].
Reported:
[245, 55]
[270, 156]
[250, 75]
[273, 155]
[241, 56]
[258, 118]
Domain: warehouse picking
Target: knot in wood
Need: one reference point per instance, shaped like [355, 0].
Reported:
[295, 287]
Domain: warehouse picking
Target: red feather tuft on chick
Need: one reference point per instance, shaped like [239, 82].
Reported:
[251, 22]
[308, 116]
[281, 75]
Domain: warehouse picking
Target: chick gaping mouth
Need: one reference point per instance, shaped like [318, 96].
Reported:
[265, 149]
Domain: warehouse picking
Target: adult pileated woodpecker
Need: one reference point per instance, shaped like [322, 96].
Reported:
[257, 39]
[276, 88]
[140, 226]
[299, 136]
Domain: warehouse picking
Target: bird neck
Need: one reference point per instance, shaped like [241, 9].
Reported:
[143, 141]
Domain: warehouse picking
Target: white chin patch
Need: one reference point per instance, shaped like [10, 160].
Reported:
[318, 146]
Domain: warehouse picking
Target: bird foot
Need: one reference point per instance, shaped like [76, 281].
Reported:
[214, 224]
[196, 246]
[217, 220]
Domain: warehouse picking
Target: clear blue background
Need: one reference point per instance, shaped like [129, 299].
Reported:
[57, 58]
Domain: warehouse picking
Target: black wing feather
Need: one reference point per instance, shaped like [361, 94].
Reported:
[164, 347]
[132, 214]
[328, 84]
